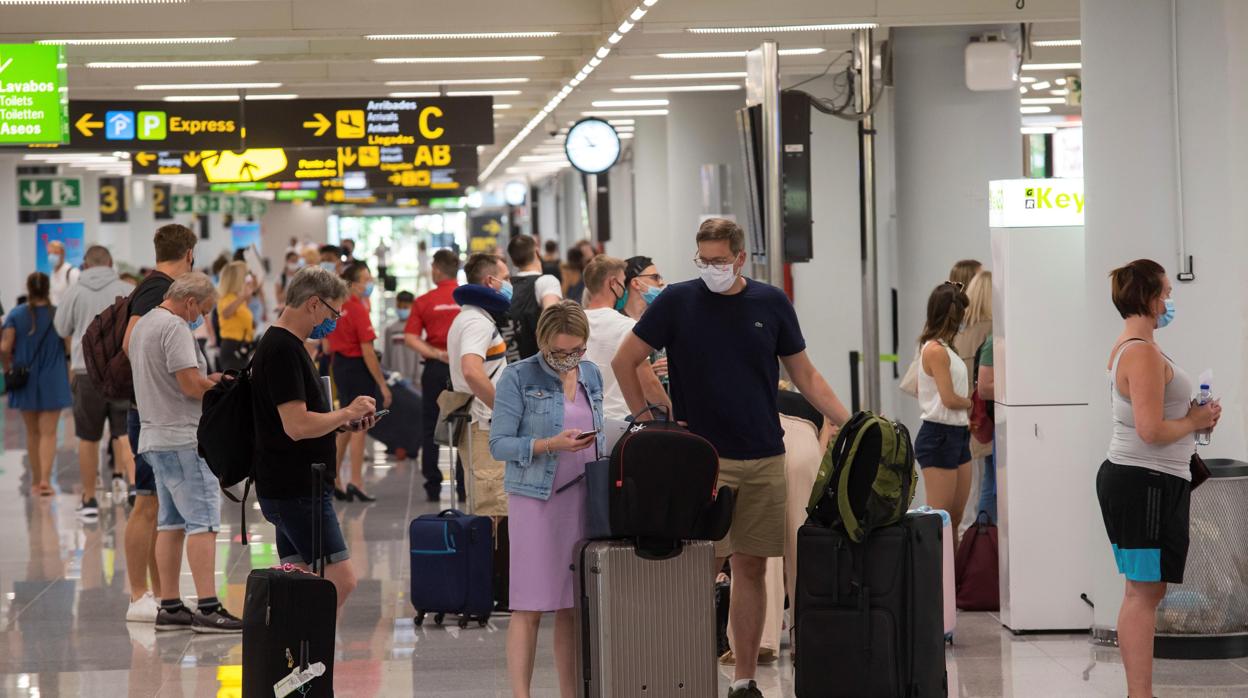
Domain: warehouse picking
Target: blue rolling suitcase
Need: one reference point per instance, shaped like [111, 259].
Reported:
[452, 566]
[400, 430]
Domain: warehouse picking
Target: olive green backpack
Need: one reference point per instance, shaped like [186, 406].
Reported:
[867, 477]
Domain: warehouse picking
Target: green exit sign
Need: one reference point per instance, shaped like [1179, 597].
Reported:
[34, 94]
[49, 192]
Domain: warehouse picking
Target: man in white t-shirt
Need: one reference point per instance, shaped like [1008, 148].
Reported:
[63, 275]
[478, 354]
[534, 292]
[604, 286]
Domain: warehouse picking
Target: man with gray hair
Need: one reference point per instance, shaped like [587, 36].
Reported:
[170, 379]
[296, 427]
[98, 287]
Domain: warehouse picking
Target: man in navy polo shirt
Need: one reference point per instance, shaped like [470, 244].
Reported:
[725, 337]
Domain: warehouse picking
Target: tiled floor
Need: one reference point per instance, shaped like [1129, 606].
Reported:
[63, 597]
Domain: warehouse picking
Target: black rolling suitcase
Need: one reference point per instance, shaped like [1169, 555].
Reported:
[289, 619]
[870, 617]
[400, 430]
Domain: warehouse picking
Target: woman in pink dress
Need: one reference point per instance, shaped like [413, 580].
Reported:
[547, 425]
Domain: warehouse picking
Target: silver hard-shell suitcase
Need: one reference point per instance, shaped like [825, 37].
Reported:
[647, 626]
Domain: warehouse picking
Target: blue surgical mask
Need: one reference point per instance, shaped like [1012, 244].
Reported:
[324, 329]
[506, 290]
[404, 313]
[1167, 317]
[330, 267]
[621, 302]
[54, 260]
[196, 323]
[651, 293]
[368, 290]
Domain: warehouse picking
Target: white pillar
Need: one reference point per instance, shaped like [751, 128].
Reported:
[650, 196]
[950, 142]
[18, 259]
[1132, 178]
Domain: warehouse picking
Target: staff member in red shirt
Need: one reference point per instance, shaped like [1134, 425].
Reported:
[356, 371]
[431, 317]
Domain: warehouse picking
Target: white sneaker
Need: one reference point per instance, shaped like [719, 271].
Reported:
[144, 610]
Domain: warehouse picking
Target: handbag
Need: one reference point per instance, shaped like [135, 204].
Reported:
[454, 413]
[910, 382]
[1200, 471]
[975, 567]
[18, 376]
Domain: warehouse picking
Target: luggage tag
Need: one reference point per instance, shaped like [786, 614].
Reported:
[297, 679]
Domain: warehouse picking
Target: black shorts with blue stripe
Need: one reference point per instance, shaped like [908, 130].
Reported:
[1146, 514]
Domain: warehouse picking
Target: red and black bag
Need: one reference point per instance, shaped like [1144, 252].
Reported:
[660, 484]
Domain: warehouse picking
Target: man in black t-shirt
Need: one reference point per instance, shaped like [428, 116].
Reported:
[175, 256]
[296, 426]
[725, 338]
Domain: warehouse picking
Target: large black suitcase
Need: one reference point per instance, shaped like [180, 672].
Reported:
[870, 617]
[400, 430]
[289, 619]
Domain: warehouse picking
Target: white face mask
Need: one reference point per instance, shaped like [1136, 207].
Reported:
[718, 277]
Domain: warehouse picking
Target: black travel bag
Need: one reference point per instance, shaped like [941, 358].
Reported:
[870, 617]
[289, 619]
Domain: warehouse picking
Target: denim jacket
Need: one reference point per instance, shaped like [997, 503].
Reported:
[528, 405]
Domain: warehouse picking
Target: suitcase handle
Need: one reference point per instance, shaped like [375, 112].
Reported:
[318, 542]
[449, 513]
[655, 409]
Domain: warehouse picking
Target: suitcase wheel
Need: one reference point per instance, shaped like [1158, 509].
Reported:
[949, 638]
[437, 618]
[463, 622]
[482, 621]
[420, 618]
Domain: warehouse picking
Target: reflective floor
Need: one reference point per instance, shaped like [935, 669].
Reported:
[63, 599]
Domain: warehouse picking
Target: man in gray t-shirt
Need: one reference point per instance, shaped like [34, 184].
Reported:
[169, 385]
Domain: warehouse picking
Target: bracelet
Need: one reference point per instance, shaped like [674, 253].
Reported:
[548, 452]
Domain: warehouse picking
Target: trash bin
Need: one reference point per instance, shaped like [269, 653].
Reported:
[1206, 617]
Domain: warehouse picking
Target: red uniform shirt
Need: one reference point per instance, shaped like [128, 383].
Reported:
[354, 328]
[433, 314]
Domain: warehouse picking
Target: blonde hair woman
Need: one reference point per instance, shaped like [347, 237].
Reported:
[974, 345]
[541, 407]
[234, 319]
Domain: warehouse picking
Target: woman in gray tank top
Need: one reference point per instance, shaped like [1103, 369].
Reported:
[1144, 486]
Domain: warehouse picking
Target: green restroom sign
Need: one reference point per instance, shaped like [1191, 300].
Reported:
[34, 96]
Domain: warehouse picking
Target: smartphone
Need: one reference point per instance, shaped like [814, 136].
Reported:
[376, 416]
[586, 434]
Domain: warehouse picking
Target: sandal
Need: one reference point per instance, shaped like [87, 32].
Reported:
[45, 490]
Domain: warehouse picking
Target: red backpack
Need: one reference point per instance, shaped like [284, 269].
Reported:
[107, 363]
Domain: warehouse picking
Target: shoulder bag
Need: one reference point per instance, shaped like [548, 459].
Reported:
[18, 376]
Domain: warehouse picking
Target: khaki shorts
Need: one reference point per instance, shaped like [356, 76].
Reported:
[759, 516]
[484, 475]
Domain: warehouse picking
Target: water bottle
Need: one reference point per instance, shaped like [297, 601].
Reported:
[1203, 398]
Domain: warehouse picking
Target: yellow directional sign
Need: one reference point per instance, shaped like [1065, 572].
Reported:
[349, 123]
[492, 227]
[145, 159]
[318, 122]
[248, 166]
[192, 159]
[84, 124]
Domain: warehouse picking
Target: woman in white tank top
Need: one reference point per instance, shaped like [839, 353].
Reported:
[1144, 486]
[943, 444]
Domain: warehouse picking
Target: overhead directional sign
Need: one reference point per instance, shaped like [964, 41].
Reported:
[138, 125]
[49, 192]
[309, 123]
[113, 200]
[34, 97]
[201, 204]
[311, 164]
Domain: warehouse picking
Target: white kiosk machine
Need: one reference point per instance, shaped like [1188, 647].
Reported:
[1045, 478]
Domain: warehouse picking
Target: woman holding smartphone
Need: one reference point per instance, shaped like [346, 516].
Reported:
[547, 425]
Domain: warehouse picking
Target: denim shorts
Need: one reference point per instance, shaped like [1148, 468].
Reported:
[144, 479]
[942, 446]
[293, 520]
[188, 493]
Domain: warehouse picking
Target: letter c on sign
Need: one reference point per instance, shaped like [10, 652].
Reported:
[430, 133]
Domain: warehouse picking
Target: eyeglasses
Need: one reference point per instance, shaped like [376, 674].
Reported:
[658, 278]
[718, 262]
[574, 354]
[337, 314]
[956, 284]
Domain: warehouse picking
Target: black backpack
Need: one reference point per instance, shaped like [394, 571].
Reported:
[525, 310]
[227, 435]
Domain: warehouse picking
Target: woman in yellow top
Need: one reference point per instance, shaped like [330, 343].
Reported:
[234, 320]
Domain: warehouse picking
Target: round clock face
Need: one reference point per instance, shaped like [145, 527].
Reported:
[515, 193]
[592, 146]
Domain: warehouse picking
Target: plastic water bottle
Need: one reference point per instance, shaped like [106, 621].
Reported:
[1203, 398]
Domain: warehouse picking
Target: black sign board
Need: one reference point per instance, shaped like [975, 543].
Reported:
[162, 208]
[113, 200]
[109, 125]
[314, 164]
[309, 123]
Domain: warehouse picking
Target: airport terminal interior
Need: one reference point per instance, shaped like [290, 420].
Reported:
[865, 150]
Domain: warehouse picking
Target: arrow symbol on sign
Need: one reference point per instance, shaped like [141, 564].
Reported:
[250, 169]
[84, 124]
[192, 159]
[32, 194]
[395, 179]
[318, 122]
[5, 66]
[346, 157]
[144, 159]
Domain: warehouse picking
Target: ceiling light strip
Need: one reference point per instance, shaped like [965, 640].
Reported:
[603, 51]
[457, 81]
[460, 59]
[211, 86]
[675, 88]
[1052, 66]
[139, 41]
[604, 113]
[227, 98]
[461, 35]
[732, 75]
[171, 64]
[738, 54]
[784, 28]
[1057, 43]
